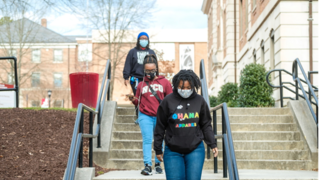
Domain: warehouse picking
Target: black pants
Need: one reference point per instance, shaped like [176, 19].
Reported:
[133, 85]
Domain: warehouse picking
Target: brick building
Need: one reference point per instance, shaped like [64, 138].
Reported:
[46, 59]
[268, 32]
[170, 46]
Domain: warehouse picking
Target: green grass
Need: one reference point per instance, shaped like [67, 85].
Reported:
[60, 109]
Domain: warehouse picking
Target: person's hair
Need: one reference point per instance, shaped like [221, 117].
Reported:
[138, 44]
[186, 75]
[149, 59]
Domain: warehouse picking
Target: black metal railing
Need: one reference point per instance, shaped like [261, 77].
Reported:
[229, 157]
[298, 86]
[16, 88]
[76, 148]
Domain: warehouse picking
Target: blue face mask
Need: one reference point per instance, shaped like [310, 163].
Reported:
[143, 43]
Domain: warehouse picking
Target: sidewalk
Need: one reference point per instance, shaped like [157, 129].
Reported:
[209, 175]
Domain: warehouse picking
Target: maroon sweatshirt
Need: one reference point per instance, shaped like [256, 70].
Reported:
[148, 103]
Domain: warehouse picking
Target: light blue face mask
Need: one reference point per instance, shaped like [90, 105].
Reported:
[185, 93]
[143, 43]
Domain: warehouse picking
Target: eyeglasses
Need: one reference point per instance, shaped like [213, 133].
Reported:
[150, 71]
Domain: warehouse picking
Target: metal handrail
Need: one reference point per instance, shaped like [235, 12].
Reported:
[229, 157]
[76, 147]
[16, 88]
[298, 86]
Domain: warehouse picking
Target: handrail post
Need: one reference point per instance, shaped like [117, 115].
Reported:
[223, 148]
[296, 76]
[281, 89]
[309, 91]
[90, 140]
[81, 142]
[99, 136]
[215, 159]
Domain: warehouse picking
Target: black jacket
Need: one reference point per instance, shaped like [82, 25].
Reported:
[134, 63]
[184, 122]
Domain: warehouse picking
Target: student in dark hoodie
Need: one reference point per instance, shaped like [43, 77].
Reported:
[148, 105]
[133, 67]
[184, 121]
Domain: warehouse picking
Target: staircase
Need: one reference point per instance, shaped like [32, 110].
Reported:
[264, 138]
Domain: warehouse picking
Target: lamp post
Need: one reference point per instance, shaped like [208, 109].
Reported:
[49, 94]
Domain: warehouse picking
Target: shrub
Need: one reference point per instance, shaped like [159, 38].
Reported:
[213, 101]
[254, 90]
[228, 92]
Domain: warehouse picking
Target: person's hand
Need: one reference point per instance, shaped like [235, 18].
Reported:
[160, 157]
[215, 152]
[131, 97]
[126, 81]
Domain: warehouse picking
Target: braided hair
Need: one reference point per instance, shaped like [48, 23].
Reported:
[149, 59]
[186, 75]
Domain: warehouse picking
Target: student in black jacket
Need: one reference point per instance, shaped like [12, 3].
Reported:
[184, 121]
[133, 68]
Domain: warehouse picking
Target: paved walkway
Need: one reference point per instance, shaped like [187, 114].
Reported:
[209, 175]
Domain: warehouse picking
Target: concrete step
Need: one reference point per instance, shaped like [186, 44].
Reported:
[209, 175]
[257, 111]
[231, 111]
[125, 111]
[234, 127]
[238, 145]
[137, 164]
[237, 135]
[266, 119]
[240, 154]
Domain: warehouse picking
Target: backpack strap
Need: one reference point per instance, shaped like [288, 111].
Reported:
[154, 93]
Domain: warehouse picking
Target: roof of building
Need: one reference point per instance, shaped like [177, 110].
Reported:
[31, 33]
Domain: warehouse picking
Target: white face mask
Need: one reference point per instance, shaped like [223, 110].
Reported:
[185, 93]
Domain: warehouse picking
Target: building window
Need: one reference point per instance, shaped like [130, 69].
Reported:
[36, 56]
[254, 3]
[10, 78]
[241, 19]
[58, 104]
[35, 79]
[85, 52]
[35, 103]
[57, 55]
[262, 52]
[272, 58]
[14, 52]
[254, 56]
[57, 79]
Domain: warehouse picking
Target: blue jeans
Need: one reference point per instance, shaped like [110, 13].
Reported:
[147, 125]
[184, 166]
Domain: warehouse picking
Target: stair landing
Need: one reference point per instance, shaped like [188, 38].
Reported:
[209, 175]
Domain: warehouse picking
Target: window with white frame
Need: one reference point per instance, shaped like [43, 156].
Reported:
[58, 103]
[254, 56]
[35, 79]
[57, 79]
[35, 103]
[57, 55]
[85, 52]
[10, 78]
[262, 52]
[14, 52]
[36, 56]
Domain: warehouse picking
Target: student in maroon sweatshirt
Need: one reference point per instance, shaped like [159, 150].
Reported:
[148, 100]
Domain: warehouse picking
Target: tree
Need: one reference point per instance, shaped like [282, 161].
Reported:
[5, 20]
[113, 22]
[254, 91]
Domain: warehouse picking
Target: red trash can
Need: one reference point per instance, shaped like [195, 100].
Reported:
[84, 88]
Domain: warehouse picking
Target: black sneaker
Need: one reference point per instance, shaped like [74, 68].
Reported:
[158, 169]
[147, 170]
